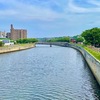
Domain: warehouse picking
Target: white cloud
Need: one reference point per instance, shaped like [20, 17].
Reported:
[27, 11]
[75, 8]
[7, 12]
[21, 9]
[78, 9]
[94, 2]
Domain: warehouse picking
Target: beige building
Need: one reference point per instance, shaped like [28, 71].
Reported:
[17, 33]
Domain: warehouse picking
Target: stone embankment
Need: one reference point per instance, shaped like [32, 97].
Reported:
[13, 48]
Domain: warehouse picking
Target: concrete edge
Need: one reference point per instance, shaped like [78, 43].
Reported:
[17, 49]
[93, 63]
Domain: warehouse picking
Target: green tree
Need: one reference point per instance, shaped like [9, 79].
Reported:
[28, 40]
[79, 39]
[92, 36]
[59, 39]
[1, 43]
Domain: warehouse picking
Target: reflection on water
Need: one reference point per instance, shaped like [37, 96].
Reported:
[46, 73]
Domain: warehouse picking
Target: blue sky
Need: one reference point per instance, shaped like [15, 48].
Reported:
[50, 18]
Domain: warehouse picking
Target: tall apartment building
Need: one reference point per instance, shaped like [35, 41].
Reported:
[17, 33]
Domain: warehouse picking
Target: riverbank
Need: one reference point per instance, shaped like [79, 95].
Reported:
[95, 52]
[17, 47]
[93, 63]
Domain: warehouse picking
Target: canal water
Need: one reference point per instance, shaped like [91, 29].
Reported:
[46, 73]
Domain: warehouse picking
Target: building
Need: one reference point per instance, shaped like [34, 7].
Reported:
[17, 33]
[8, 35]
[2, 34]
[73, 40]
[6, 41]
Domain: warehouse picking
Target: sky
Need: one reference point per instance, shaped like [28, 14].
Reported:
[50, 18]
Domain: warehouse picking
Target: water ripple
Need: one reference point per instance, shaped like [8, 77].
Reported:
[45, 73]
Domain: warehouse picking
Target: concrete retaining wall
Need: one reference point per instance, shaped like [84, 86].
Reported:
[93, 63]
[14, 48]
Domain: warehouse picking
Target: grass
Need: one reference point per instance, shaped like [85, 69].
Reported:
[26, 44]
[17, 45]
[93, 52]
[96, 54]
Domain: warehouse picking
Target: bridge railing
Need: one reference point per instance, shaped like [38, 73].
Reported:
[54, 43]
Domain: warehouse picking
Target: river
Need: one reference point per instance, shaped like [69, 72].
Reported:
[46, 73]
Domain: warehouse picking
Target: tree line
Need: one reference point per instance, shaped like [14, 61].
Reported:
[92, 36]
[59, 39]
[88, 37]
[27, 40]
[66, 39]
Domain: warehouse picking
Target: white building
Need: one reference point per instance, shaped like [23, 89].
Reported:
[2, 34]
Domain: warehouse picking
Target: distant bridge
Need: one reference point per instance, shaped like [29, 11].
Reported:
[64, 44]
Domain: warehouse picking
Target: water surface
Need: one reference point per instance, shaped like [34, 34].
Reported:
[46, 73]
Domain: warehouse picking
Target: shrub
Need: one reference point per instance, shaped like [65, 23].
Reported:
[1, 43]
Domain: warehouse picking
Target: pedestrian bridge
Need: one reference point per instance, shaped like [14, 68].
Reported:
[65, 44]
